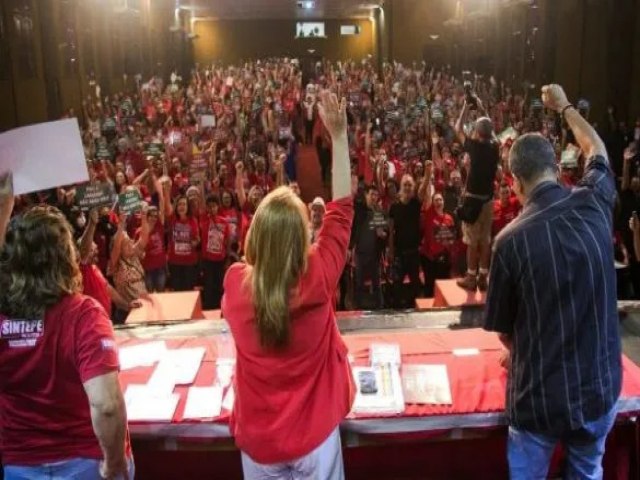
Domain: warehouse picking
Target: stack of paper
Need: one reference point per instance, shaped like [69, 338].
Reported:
[203, 402]
[385, 354]
[143, 355]
[426, 384]
[177, 367]
[379, 390]
[145, 404]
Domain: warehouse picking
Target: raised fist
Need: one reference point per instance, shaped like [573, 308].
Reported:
[554, 98]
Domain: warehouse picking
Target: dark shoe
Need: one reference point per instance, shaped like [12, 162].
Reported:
[469, 282]
[483, 282]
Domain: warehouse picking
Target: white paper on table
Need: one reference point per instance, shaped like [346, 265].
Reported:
[143, 355]
[229, 399]
[147, 404]
[203, 402]
[388, 398]
[465, 352]
[44, 156]
[385, 353]
[177, 367]
[225, 367]
[426, 384]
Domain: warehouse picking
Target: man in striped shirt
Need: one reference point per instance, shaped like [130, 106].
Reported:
[552, 299]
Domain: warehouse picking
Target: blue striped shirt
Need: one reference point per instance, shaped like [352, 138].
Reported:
[553, 289]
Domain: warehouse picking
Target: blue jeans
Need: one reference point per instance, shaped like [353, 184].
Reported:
[530, 453]
[76, 469]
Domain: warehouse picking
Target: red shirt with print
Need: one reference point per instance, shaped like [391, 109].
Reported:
[503, 214]
[43, 364]
[214, 233]
[182, 234]
[155, 256]
[439, 233]
[234, 220]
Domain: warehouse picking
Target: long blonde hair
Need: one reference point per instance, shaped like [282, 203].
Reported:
[276, 247]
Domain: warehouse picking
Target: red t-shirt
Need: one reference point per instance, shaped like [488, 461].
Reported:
[311, 378]
[182, 234]
[233, 218]
[263, 181]
[503, 214]
[43, 365]
[215, 238]
[95, 286]
[102, 242]
[439, 233]
[155, 256]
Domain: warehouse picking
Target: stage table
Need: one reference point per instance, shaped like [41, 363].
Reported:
[477, 384]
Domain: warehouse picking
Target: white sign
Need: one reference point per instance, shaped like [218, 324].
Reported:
[44, 156]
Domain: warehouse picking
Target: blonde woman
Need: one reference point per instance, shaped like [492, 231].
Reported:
[293, 382]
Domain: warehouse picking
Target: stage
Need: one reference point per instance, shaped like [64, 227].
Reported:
[464, 440]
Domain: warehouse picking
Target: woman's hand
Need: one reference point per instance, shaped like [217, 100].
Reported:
[333, 114]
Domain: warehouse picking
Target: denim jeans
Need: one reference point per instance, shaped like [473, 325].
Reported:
[76, 469]
[530, 453]
[323, 463]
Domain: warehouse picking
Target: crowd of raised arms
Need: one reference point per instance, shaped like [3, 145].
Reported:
[204, 151]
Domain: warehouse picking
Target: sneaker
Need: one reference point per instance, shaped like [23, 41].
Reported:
[469, 282]
[483, 282]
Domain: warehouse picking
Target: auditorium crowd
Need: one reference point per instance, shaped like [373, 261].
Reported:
[204, 151]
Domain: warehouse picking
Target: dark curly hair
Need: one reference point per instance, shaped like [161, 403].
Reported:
[38, 263]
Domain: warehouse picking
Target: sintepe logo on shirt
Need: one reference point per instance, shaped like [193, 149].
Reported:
[21, 333]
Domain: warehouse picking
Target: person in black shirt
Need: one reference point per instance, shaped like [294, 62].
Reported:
[368, 238]
[405, 239]
[477, 209]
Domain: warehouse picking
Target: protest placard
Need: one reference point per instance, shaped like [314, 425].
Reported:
[95, 195]
[44, 156]
[130, 202]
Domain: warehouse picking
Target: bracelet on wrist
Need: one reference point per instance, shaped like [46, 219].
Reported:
[564, 110]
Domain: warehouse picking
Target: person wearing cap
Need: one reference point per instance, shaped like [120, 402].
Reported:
[476, 212]
[552, 301]
[316, 209]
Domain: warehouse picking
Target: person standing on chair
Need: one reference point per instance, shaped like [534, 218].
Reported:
[293, 381]
[476, 212]
[552, 299]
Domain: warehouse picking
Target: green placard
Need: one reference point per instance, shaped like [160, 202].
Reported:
[130, 202]
[154, 149]
[103, 153]
[109, 124]
[95, 195]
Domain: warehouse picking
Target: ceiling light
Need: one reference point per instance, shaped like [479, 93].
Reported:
[307, 4]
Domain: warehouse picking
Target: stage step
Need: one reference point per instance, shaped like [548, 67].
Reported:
[449, 294]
